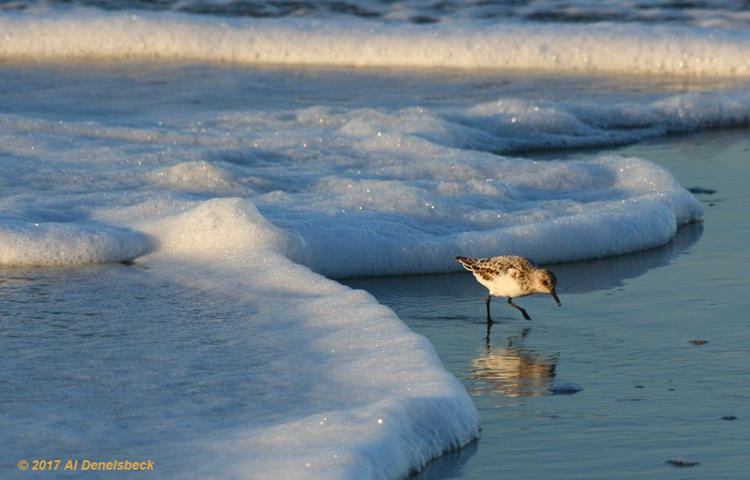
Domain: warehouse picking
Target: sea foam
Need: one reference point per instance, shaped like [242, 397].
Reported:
[548, 211]
[53, 244]
[352, 386]
[362, 191]
[598, 48]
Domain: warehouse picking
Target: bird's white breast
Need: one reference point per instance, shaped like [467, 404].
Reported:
[502, 285]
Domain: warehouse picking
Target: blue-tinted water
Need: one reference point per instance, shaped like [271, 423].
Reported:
[109, 362]
[623, 335]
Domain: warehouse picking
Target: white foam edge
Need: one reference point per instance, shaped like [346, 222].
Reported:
[417, 410]
[560, 48]
[24, 243]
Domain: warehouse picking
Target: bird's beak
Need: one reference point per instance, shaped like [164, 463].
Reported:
[554, 295]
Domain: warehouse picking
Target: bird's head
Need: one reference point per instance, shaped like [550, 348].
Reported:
[545, 282]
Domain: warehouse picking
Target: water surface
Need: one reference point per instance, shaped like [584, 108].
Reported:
[623, 336]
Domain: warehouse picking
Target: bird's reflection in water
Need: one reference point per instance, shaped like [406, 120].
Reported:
[512, 370]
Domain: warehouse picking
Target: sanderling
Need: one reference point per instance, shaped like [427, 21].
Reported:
[510, 277]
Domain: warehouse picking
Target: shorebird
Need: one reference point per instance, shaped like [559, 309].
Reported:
[510, 277]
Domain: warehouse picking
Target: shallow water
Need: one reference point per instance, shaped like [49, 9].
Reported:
[109, 362]
[623, 336]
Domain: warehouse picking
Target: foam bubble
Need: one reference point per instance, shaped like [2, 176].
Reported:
[198, 177]
[218, 229]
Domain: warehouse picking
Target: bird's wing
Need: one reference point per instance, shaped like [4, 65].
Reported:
[470, 264]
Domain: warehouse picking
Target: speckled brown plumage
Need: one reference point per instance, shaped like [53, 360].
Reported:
[510, 276]
[515, 267]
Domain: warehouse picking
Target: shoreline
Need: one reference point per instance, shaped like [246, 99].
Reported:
[617, 313]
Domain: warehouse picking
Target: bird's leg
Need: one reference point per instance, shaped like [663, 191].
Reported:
[487, 302]
[523, 312]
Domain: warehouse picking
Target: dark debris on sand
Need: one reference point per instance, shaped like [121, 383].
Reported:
[681, 463]
[701, 190]
[564, 389]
